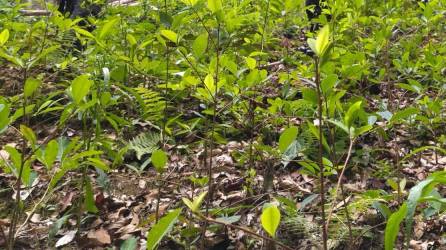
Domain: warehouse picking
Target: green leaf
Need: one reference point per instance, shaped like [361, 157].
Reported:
[98, 163]
[415, 194]
[312, 44]
[172, 36]
[131, 39]
[196, 204]
[105, 30]
[393, 227]
[328, 83]
[159, 160]
[160, 229]
[15, 156]
[400, 116]
[321, 43]
[188, 203]
[80, 87]
[4, 36]
[352, 113]
[28, 134]
[322, 40]
[31, 86]
[210, 84]
[165, 19]
[51, 151]
[56, 226]
[129, 244]
[215, 5]
[340, 125]
[362, 130]
[287, 137]
[4, 117]
[83, 32]
[251, 62]
[200, 44]
[89, 201]
[270, 219]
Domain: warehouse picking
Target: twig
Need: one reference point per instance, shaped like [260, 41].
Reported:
[35, 12]
[37, 205]
[338, 185]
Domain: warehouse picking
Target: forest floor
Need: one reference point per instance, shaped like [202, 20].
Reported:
[126, 200]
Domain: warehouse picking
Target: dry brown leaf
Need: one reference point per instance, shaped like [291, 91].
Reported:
[99, 237]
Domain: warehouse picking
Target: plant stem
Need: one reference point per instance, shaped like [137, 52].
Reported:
[320, 154]
[17, 208]
[158, 197]
[339, 183]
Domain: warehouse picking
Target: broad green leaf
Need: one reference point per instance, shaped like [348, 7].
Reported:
[89, 201]
[85, 154]
[105, 30]
[172, 36]
[340, 125]
[415, 194]
[200, 44]
[31, 86]
[270, 219]
[15, 156]
[83, 32]
[160, 229]
[28, 134]
[215, 5]
[351, 113]
[312, 44]
[400, 116]
[159, 160]
[98, 163]
[321, 43]
[80, 87]
[362, 130]
[27, 177]
[287, 137]
[51, 151]
[328, 83]
[4, 36]
[4, 116]
[251, 62]
[210, 84]
[393, 227]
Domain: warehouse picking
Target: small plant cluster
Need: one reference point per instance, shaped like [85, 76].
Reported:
[329, 131]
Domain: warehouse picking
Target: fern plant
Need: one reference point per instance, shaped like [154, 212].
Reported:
[143, 144]
[151, 102]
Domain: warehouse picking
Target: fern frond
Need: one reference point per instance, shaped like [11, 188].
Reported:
[153, 103]
[144, 143]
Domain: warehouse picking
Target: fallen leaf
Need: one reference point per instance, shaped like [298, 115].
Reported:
[67, 238]
[66, 201]
[99, 237]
